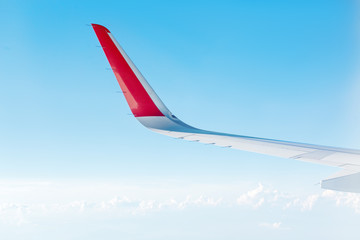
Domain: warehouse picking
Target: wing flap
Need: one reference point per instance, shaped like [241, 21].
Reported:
[345, 180]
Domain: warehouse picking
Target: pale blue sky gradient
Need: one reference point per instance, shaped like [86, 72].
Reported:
[277, 69]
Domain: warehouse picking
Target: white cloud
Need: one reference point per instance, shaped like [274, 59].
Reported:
[309, 202]
[274, 225]
[22, 203]
[351, 200]
[252, 197]
[304, 204]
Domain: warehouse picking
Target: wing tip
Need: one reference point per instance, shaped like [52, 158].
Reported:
[98, 26]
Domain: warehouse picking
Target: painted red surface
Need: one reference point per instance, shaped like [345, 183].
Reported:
[138, 99]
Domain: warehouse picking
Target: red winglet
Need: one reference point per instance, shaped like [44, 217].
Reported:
[137, 97]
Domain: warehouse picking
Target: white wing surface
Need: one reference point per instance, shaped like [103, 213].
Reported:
[151, 112]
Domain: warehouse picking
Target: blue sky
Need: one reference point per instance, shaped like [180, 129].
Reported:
[275, 69]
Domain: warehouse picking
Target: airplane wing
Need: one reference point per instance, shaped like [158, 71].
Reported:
[151, 112]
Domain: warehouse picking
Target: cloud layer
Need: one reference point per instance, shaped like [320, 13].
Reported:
[27, 202]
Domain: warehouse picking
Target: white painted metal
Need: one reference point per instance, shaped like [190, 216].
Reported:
[347, 159]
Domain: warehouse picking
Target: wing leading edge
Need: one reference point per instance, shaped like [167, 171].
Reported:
[151, 112]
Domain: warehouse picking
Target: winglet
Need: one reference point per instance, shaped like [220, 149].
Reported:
[94, 25]
[141, 98]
